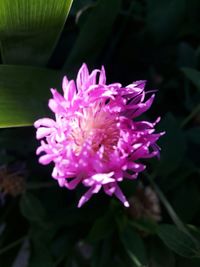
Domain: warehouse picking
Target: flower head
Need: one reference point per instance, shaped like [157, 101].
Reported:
[94, 138]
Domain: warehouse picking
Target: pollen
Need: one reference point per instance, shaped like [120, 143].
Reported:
[98, 127]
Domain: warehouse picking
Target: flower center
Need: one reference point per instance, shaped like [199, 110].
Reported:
[97, 126]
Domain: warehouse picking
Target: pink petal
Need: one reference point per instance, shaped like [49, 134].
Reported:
[69, 90]
[82, 77]
[42, 132]
[121, 197]
[144, 107]
[102, 76]
[46, 159]
[93, 190]
[71, 185]
[44, 122]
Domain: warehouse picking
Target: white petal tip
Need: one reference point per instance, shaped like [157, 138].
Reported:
[126, 204]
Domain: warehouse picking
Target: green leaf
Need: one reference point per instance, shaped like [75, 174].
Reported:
[134, 246]
[182, 262]
[94, 33]
[40, 256]
[186, 168]
[29, 30]
[102, 228]
[102, 253]
[62, 246]
[173, 146]
[159, 254]
[146, 225]
[41, 235]
[2, 228]
[186, 55]
[31, 208]
[183, 204]
[193, 75]
[195, 231]
[164, 18]
[193, 134]
[177, 241]
[24, 93]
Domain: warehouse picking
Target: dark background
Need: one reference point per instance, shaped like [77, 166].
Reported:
[153, 40]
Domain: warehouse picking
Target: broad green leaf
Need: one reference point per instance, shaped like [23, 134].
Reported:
[183, 204]
[177, 240]
[102, 253]
[159, 254]
[186, 55]
[31, 208]
[62, 245]
[29, 29]
[2, 228]
[145, 225]
[193, 75]
[80, 5]
[164, 18]
[134, 246]
[183, 262]
[40, 256]
[24, 93]
[173, 146]
[193, 134]
[94, 33]
[195, 231]
[102, 228]
[186, 168]
[41, 240]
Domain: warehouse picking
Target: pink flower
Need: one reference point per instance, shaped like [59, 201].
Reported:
[94, 138]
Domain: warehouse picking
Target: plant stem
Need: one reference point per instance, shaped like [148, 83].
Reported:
[32, 186]
[177, 221]
[190, 116]
[12, 245]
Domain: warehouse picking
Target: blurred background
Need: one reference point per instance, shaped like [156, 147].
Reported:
[153, 40]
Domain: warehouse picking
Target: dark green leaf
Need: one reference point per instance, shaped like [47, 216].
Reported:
[186, 168]
[41, 240]
[193, 75]
[41, 256]
[94, 33]
[102, 228]
[159, 254]
[102, 253]
[187, 196]
[173, 146]
[186, 56]
[134, 246]
[164, 18]
[24, 93]
[182, 262]
[193, 134]
[177, 240]
[29, 30]
[195, 231]
[31, 208]
[145, 225]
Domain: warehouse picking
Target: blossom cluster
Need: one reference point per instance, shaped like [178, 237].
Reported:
[95, 138]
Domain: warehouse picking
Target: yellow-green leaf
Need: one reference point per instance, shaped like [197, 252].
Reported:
[29, 29]
[24, 93]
